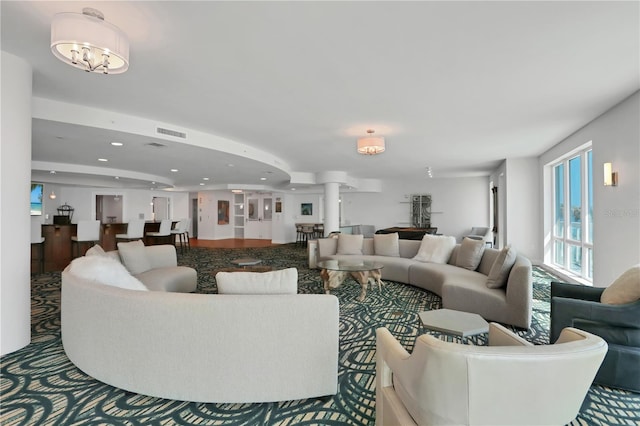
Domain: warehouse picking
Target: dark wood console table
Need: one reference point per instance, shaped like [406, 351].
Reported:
[408, 233]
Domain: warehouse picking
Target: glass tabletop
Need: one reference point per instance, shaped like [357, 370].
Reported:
[349, 265]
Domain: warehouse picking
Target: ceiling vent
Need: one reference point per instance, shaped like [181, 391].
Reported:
[156, 145]
[170, 132]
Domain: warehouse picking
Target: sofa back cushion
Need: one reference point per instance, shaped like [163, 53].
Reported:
[435, 248]
[386, 244]
[499, 273]
[470, 253]
[104, 270]
[625, 289]
[284, 281]
[134, 256]
[350, 244]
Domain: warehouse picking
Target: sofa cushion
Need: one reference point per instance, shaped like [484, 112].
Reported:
[501, 267]
[386, 244]
[96, 250]
[175, 279]
[284, 281]
[105, 270]
[134, 257]
[625, 289]
[470, 253]
[349, 244]
[435, 248]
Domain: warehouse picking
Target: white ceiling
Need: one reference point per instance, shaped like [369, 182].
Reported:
[456, 86]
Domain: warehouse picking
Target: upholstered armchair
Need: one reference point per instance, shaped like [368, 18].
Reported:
[619, 325]
[509, 382]
[480, 233]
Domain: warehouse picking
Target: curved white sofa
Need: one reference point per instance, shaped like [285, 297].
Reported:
[202, 347]
[461, 289]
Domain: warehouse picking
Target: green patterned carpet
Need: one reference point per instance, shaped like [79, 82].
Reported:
[40, 385]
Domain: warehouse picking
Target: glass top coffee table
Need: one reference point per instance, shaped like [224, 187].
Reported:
[334, 272]
[456, 323]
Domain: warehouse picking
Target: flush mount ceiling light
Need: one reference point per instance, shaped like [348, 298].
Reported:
[88, 42]
[371, 145]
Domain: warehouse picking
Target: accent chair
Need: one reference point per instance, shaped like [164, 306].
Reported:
[509, 382]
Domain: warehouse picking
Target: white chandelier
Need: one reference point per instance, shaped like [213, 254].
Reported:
[87, 42]
[371, 145]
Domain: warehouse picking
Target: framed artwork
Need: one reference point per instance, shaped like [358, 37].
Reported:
[223, 212]
[306, 209]
[278, 206]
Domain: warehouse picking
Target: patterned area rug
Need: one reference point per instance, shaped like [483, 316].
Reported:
[40, 385]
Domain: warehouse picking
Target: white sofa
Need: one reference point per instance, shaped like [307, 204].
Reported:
[227, 348]
[461, 289]
[509, 382]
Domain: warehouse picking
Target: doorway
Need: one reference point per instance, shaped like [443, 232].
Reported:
[259, 213]
[194, 216]
[160, 208]
[109, 208]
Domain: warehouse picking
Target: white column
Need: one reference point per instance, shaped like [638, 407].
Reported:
[15, 228]
[331, 207]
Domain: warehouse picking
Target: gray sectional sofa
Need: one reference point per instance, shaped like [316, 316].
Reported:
[461, 289]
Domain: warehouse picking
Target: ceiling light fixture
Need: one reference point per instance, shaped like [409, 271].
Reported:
[371, 145]
[429, 172]
[117, 143]
[263, 178]
[237, 191]
[88, 42]
[174, 170]
[52, 195]
[103, 159]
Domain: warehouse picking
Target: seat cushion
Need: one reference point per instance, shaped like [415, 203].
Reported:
[176, 279]
[284, 281]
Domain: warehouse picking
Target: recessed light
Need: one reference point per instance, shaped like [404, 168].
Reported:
[53, 172]
[116, 177]
[263, 178]
[117, 143]
[293, 189]
[174, 170]
[205, 178]
[153, 183]
[102, 159]
[230, 165]
[201, 183]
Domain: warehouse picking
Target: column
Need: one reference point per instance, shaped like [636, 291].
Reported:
[331, 207]
[15, 227]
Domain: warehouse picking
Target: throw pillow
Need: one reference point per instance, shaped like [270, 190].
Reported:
[435, 248]
[625, 289]
[96, 251]
[134, 257]
[284, 281]
[105, 270]
[386, 244]
[349, 244]
[501, 268]
[470, 253]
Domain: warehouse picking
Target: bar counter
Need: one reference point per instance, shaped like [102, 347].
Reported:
[57, 243]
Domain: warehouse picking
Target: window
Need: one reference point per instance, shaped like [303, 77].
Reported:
[572, 247]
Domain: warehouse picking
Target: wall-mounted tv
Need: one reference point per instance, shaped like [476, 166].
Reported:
[36, 199]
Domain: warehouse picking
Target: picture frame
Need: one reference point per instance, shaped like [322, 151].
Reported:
[278, 206]
[306, 209]
[223, 212]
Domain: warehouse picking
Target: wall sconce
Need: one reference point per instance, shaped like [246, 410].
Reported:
[610, 177]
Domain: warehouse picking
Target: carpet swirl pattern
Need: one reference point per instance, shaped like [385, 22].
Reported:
[40, 386]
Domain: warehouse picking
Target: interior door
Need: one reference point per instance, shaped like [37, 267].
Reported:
[258, 213]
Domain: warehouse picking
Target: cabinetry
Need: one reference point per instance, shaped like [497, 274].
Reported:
[421, 211]
[238, 215]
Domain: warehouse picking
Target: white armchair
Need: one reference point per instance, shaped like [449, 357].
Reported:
[480, 233]
[509, 382]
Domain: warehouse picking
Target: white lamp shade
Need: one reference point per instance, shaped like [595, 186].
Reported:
[371, 145]
[72, 31]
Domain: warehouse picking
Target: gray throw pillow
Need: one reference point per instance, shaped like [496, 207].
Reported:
[470, 253]
[349, 244]
[386, 244]
[501, 268]
[625, 289]
[134, 257]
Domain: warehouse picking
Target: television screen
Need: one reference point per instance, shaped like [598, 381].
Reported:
[36, 199]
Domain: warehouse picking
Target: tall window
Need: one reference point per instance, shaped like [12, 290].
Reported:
[572, 248]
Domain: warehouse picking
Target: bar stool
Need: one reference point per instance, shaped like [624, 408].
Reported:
[299, 234]
[307, 232]
[164, 231]
[38, 240]
[318, 230]
[87, 231]
[135, 231]
[181, 232]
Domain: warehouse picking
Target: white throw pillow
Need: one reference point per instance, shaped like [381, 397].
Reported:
[625, 289]
[134, 257]
[386, 244]
[349, 244]
[470, 253]
[499, 272]
[284, 281]
[96, 251]
[105, 270]
[435, 249]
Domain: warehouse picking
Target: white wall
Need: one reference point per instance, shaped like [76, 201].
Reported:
[457, 204]
[615, 137]
[15, 218]
[208, 228]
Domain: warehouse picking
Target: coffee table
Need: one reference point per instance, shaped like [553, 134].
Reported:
[456, 323]
[334, 272]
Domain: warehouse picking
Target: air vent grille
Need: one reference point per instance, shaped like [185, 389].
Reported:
[156, 145]
[170, 132]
